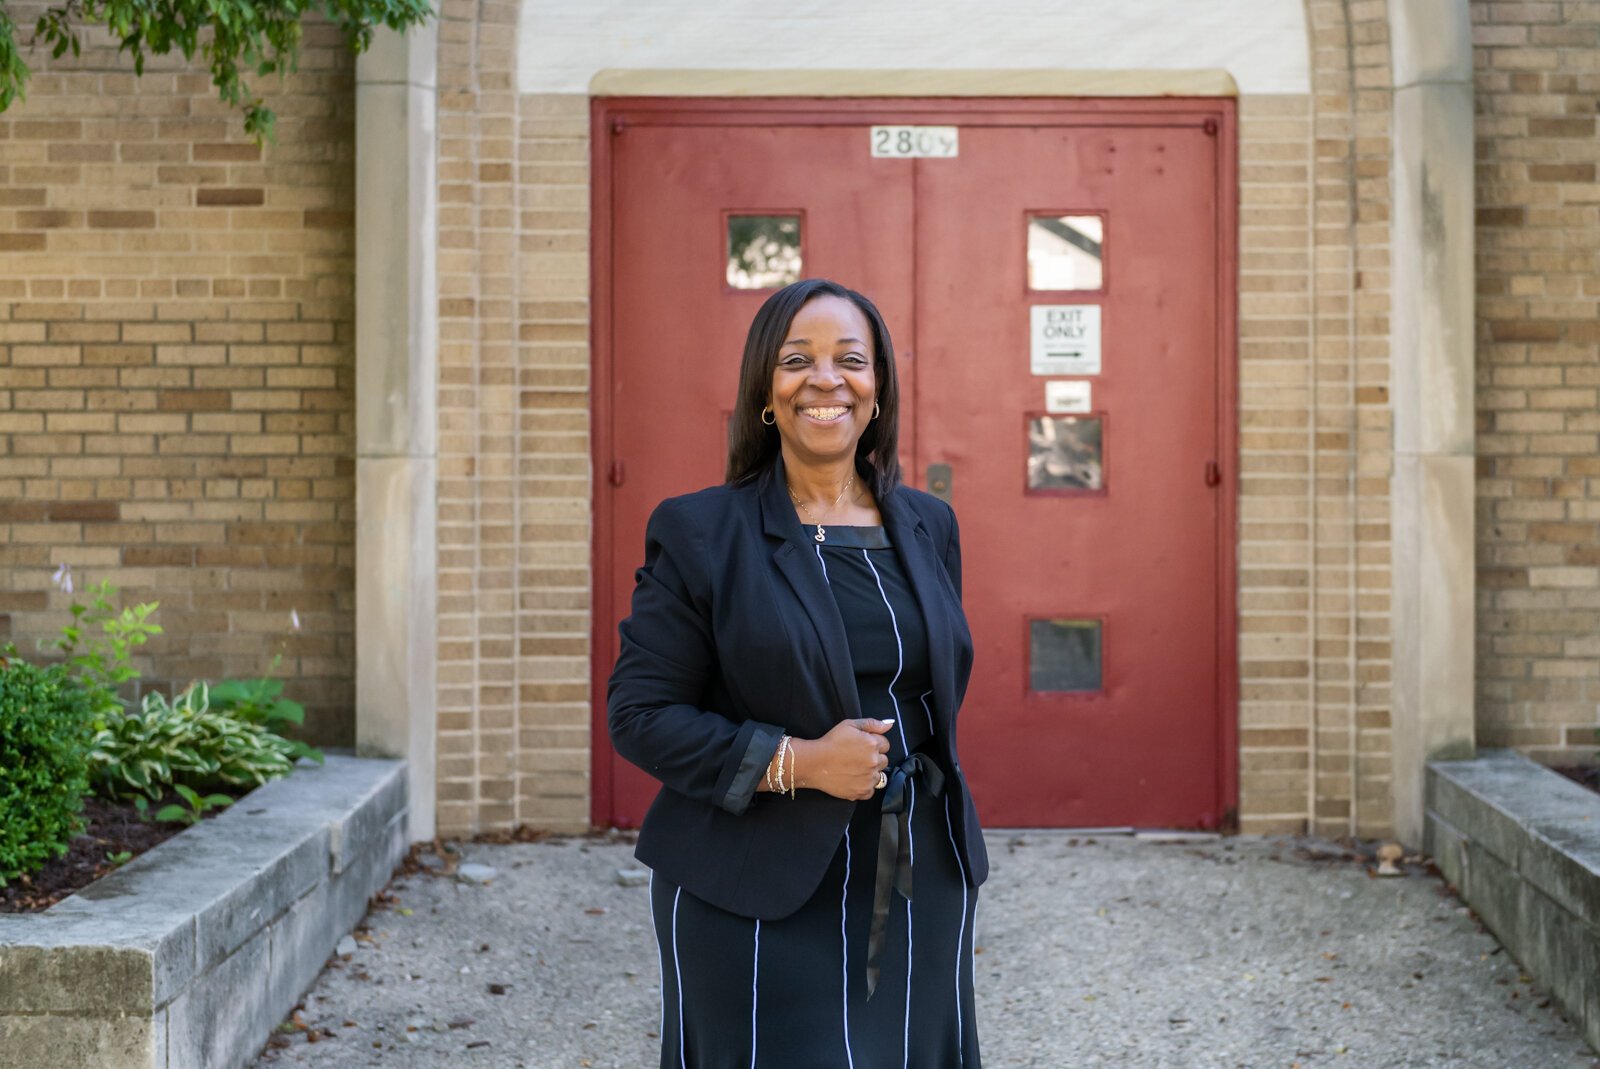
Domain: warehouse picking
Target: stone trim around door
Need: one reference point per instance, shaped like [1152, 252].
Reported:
[1434, 572]
[397, 406]
[913, 83]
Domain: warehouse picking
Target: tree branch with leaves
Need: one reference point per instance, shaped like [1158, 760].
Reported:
[234, 38]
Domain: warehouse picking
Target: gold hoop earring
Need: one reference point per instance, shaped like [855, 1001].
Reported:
[875, 410]
[765, 412]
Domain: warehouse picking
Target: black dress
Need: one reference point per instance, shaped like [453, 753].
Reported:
[739, 993]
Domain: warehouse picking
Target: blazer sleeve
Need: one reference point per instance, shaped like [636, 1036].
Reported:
[666, 657]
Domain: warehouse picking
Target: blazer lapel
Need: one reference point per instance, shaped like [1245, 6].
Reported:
[920, 559]
[803, 570]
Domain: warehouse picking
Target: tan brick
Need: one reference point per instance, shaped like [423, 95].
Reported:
[195, 401]
[207, 197]
[121, 220]
[227, 153]
[21, 242]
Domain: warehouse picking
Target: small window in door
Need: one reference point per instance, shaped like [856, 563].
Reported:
[763, 251]
[1065, 453]
[1064, 655]
[1066, 252]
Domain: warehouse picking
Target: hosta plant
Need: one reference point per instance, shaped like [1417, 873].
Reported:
[186, 741]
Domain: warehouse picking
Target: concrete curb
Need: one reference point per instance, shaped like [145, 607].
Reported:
[1522, 846]
[190, 954]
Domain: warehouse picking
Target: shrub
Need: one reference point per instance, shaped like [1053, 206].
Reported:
[44, 769]
[185, 741]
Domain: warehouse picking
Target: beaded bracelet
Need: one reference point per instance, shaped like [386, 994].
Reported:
[783, 745]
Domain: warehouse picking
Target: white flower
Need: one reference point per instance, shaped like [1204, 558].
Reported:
[63, 578]
[294, 619]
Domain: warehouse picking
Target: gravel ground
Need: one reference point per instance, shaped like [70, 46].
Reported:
[1092, 951]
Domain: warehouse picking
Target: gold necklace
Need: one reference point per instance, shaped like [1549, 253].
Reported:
[822, 533]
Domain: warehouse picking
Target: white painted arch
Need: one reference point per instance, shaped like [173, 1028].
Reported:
[1262, 44]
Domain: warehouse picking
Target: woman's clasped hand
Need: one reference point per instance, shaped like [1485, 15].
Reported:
[846, 761]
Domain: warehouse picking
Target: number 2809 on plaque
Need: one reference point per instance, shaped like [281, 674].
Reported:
[914, 142]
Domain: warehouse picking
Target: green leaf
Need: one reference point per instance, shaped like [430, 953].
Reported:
[288, 712]
[175, 813]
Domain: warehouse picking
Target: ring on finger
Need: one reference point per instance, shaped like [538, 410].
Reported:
[883, 780]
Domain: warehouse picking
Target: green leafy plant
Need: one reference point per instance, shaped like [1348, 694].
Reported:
[199, 806]
[233, 37]
[184, 742]
[120, 858]
[44, 770]
[261, 702]
[99, 643]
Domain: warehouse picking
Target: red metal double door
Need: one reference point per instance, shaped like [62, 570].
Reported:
[1057, 280]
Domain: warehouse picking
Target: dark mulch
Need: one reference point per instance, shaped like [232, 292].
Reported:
[110, 828]
[1588, 775]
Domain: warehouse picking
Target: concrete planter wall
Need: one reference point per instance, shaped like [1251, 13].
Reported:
[1522, 846]
[188, 956]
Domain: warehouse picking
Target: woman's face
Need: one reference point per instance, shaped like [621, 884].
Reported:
[823, 386]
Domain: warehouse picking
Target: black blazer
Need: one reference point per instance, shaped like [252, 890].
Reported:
[735, 639]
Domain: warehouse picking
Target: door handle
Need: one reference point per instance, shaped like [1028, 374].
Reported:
[939, 479]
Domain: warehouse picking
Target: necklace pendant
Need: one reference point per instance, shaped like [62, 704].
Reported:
[821, 535]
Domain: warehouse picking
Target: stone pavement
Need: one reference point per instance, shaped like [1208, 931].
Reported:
[1098, 950]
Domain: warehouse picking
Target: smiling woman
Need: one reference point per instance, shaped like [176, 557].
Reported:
[824, 392]
[817, 344]
[798, 631]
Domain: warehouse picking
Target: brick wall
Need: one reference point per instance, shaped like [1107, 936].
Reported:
[176, 366]
[1538, 347]
[1315, 438]
[514, 580]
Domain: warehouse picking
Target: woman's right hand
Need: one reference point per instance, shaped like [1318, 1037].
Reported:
[846, 761]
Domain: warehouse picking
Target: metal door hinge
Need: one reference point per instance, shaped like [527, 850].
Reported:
[616, 473]
[1213, 473]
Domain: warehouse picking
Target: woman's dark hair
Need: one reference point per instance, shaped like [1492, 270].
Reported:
[753, 446]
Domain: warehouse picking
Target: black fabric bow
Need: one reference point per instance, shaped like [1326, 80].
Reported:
[894, 849]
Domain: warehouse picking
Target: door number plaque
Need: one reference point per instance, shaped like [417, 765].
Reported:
[915, 142]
